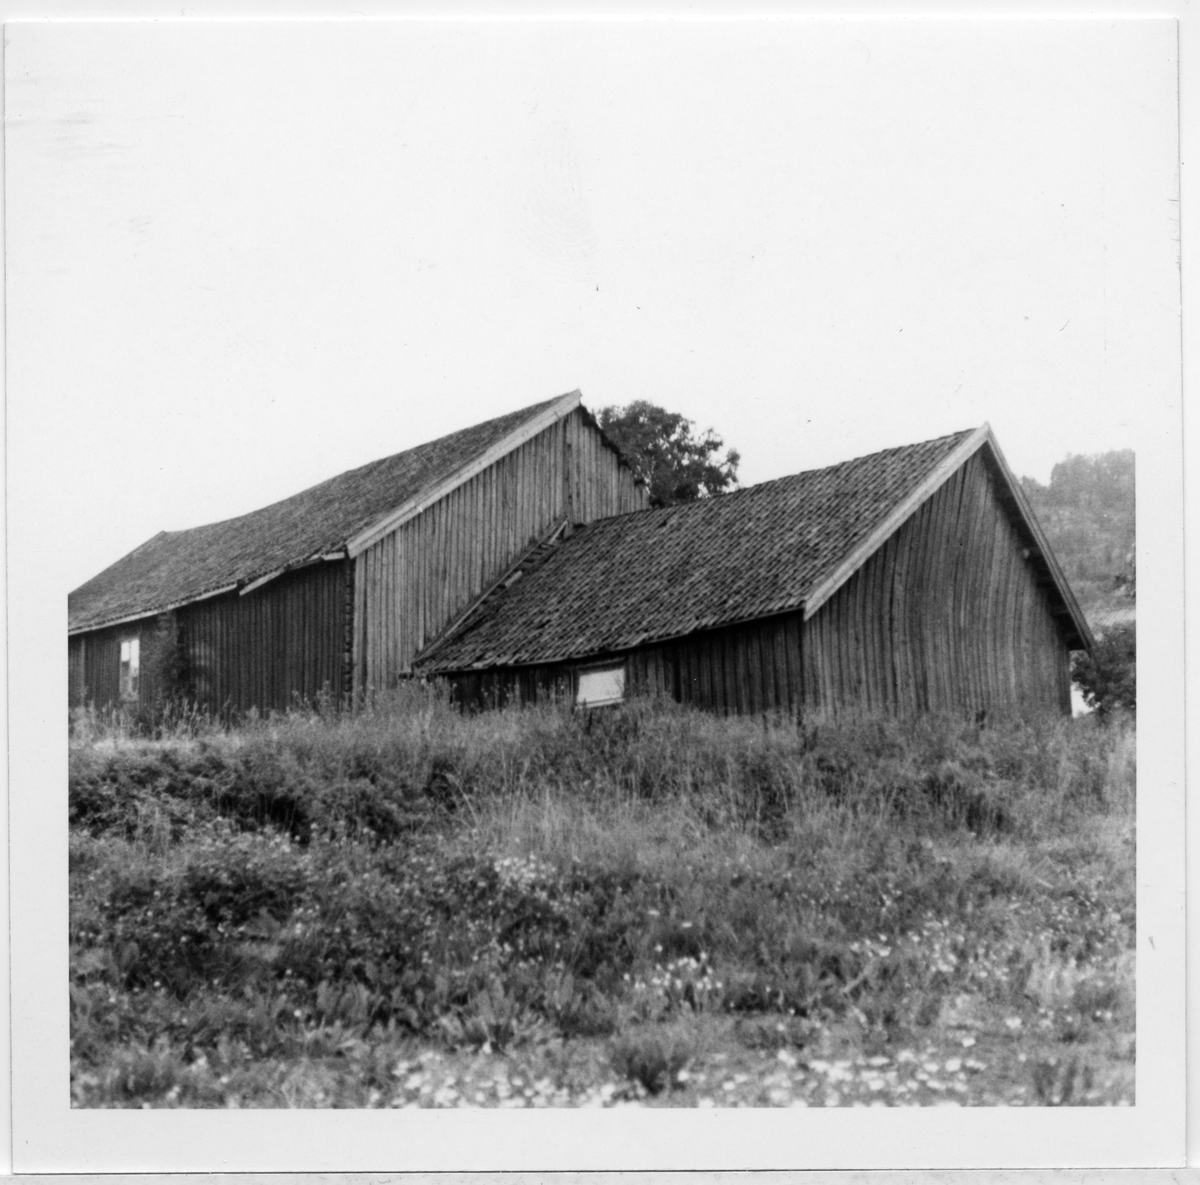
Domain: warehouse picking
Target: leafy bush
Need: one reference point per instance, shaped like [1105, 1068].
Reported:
[1108, 675]
[315, 885]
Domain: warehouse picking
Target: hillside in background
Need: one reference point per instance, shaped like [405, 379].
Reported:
[1087, 512]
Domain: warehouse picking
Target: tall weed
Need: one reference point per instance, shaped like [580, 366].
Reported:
[482, 881]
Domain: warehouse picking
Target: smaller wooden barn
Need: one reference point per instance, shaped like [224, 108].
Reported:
[335, 590]
[911, 580]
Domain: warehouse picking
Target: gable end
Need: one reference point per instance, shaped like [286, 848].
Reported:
[1063, 606]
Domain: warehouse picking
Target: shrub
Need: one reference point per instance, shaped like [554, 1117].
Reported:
[652, 1057]
[313, 881]
[1108, 675]
[773, 1033]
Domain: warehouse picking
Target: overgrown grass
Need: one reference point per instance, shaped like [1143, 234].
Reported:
[295, 911]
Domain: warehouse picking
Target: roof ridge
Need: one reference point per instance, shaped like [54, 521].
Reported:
[709, 499]
[321, 521]
[883, 452]
[359, 470]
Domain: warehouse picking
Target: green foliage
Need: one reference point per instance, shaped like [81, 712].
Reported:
[676, 465]
[333, 887]
[1108, 675]
[653, 1058]
[1088, 514]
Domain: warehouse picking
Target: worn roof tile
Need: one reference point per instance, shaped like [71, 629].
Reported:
[175, 567]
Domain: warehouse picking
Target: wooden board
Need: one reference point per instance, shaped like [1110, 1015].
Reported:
[949, 615]
[412, 583]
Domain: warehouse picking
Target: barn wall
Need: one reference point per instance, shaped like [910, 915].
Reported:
[410, 585]
[94, 662]
[76, 679]
[948, 615]
[264, 649]
[744, 669]
[511, 686]
[598, 484]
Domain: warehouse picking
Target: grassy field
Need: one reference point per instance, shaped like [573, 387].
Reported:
[411, 907]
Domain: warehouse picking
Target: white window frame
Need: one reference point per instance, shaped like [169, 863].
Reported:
[605, 682]
[130, 667]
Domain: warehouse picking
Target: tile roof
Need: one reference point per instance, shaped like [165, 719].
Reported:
[175, 567]
[658, 574]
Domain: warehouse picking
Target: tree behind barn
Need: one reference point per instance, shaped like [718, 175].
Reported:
[676, 465]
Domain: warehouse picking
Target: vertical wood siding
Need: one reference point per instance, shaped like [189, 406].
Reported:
[746, 669]
[76, 679]
[94, 662]
[282, 641]
[949, 615]
[507, 686]
[411, 585]
[752, 668]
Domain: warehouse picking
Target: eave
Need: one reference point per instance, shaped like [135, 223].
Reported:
[559, 409]
[153, 610]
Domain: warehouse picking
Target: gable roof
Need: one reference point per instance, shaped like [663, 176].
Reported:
[782, 545]
[336, 518]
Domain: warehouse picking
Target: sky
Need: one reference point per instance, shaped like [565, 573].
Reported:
[244, 257]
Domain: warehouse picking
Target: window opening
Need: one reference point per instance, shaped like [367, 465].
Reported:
[600, 686]
[130, 664]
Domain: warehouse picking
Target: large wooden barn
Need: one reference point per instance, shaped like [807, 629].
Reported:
[517, 559]
[335, 590]
[915, 579]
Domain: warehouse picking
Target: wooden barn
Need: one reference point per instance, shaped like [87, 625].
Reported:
[915, 579]
[336, 590]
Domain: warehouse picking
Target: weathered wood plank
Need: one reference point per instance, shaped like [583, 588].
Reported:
[946, 615]
[429, 570]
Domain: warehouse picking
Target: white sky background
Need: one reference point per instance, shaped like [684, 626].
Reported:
[245, 257]
[240, 259]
